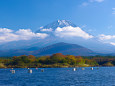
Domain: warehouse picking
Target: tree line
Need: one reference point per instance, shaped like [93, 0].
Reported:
[56, 60]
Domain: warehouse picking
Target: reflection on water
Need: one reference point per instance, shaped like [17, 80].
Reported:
[104, 76]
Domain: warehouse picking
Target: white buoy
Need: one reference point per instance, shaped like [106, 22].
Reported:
[74, 69]
[42, 70]
[92, 68]
[28, 68]
[83, 68]
[29, 71]
[13, 71]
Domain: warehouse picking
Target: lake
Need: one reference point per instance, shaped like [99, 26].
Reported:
[102, 76]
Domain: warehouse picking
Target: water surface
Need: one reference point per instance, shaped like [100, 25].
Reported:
[104, 76]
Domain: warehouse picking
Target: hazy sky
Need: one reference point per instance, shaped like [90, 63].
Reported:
[96, 17]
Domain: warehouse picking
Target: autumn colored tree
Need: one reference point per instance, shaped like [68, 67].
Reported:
[57, 58]
[71, 59]
[31, 58]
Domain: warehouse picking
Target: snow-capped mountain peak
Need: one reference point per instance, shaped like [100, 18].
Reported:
[63, 22]
[54, 25]
[64, 29]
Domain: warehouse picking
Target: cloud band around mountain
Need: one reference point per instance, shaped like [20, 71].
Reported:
[70, 31]
[7, 35]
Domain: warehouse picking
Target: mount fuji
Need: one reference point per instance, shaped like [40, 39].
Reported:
[58, 31]
[61, 32]
[64, 29]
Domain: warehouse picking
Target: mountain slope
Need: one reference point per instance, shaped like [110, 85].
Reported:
[65, 48]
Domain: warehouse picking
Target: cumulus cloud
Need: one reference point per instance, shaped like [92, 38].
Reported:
[110, 39]
[70, 31]
[5, 30]
[7, 35]
[106, 37]
[49, 30]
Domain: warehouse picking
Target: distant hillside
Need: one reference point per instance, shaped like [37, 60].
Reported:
[65, 48]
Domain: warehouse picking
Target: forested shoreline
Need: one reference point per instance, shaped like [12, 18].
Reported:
[56, 60]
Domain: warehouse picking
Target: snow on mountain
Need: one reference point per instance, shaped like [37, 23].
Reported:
[59, 23]
[64, 29]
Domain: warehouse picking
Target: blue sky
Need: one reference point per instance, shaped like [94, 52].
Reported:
[32, 14]
[93, 16]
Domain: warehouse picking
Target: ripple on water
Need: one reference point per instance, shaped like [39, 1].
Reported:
[104, 76]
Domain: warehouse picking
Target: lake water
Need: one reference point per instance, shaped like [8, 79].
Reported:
[104, 76]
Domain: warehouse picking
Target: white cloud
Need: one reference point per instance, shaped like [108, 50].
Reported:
[109, 39]
[83, 26]
[96, 0]
[112, 43]
[85, 4]
[28, 34]
[99, 0]
[7, 35]
[106, 37]
[113, 10]
[70, 31]
[41, 27]
[49, 30]
[91, 1]
[5, 30]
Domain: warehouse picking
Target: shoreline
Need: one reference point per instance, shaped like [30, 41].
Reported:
[57, 67]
